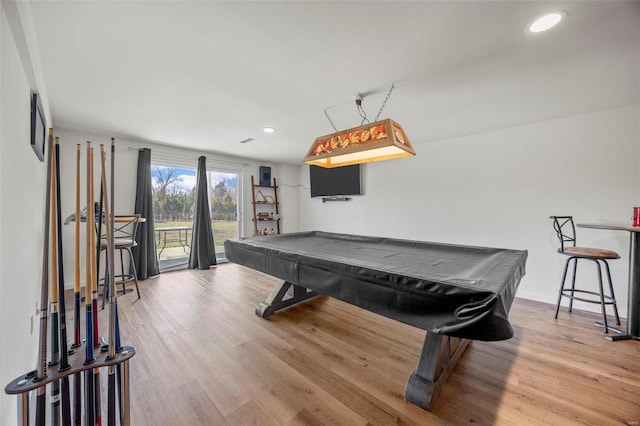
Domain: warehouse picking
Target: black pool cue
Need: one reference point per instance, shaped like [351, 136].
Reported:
[94, 294]
[53, 296]
[116, 322]
[65, 400]
[98, 251]
[41, 399]
[77, 378]
[119, 366]
[101, 217]
[89, 388]
[96, 383]
[111, 382]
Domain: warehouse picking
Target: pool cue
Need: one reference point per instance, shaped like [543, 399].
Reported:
[41, 398]
[53, 298]
[96, 245]
[77, 378]
[94, 292]
[76, 285]
[89, 388]
[94, 296]
[116, 327]
[96, 382]
[44, 298]
[111, 382]
[116, 322]
[99, 249]
[119, 366]
[65, 399]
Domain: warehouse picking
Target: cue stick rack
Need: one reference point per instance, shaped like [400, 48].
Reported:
[26, 383]
[79, 360]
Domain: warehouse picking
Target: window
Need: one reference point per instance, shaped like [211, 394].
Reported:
[173, 203]
[173, 208]
[223, 202]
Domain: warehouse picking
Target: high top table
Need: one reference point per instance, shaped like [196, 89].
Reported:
[633, 301]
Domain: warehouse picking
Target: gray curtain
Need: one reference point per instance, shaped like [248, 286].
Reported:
[144, 254]
[203, 253]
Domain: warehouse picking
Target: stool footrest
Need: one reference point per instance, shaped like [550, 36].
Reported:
[608, 300]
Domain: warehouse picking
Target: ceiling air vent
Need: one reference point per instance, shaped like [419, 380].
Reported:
[247, 140]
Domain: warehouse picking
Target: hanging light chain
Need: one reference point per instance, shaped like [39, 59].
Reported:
[361, 111]
[330, 120]
[384, 103]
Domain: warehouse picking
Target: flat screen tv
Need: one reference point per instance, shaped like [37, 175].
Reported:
[335, 182]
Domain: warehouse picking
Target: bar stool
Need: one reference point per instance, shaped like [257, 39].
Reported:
[566, 232]
[125, 229]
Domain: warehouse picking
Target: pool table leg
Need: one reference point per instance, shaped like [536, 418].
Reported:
[438, 358]
[283, 296]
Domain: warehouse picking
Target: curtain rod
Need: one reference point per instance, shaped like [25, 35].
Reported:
[187, 156]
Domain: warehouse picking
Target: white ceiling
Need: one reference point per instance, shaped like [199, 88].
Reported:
[206, 75]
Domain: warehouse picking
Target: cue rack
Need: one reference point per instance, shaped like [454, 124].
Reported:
[66, 383]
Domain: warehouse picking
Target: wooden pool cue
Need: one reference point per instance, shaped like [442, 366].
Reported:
[65, 399]
[89, 388]
[44, 298]
[76, 284]
[109, 274]
[77, 378]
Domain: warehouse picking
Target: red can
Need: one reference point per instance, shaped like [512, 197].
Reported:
[636, 216]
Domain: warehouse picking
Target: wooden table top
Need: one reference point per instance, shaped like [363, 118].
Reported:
[118, 219]
[129, 219]
[173, 228]
[610, 226]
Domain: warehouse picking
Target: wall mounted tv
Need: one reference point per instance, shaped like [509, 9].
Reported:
[335, 182]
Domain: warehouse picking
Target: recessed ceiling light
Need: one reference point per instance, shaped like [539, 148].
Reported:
[546, 22]
[269, 129]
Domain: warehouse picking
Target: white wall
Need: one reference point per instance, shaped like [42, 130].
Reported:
[125, 182]
[289, 197]
[499, 188]
[22, 199]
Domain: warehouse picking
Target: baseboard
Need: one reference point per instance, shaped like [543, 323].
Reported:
[551, 300]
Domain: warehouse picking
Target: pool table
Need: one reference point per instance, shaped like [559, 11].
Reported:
[456, 293]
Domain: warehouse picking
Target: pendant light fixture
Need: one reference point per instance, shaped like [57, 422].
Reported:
[377, 141]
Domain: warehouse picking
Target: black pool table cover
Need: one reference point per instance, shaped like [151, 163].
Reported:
[453, 290]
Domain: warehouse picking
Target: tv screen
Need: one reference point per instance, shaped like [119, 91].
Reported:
[336, 181]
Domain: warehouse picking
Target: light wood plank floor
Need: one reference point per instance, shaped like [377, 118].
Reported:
[204, 358]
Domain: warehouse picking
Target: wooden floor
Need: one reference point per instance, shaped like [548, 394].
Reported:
[204, 358]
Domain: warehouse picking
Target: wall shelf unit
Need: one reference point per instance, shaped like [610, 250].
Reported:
[266, 214]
